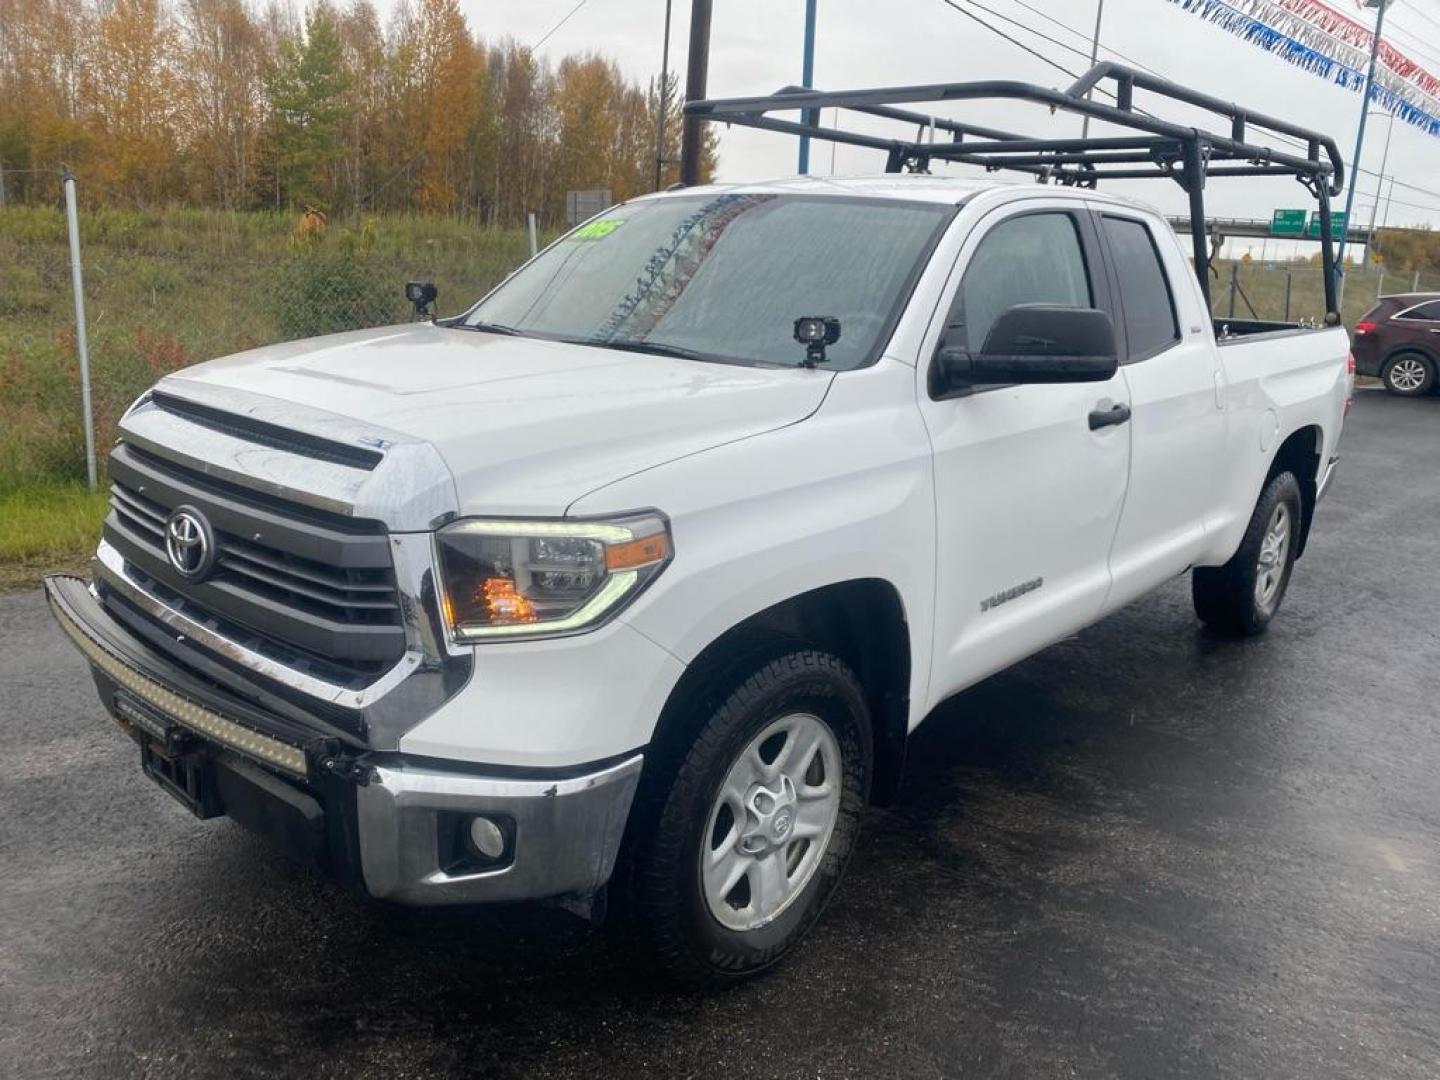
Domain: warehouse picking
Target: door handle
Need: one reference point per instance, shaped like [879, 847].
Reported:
[1116, 414]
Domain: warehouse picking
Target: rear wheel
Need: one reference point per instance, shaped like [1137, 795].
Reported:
[1409, 375]
[749, 840]
[1241, 597]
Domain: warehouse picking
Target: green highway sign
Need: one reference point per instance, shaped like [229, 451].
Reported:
[1337, 226]
[1288, 223]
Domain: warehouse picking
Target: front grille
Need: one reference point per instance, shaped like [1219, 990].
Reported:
[299, 578]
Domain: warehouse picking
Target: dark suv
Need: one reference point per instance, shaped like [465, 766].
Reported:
[1398, 340]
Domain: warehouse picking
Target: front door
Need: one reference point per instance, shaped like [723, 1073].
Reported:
[1028, 494]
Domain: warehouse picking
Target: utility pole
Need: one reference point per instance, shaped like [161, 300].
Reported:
[1380, 181]
[695, 76]
[807, 80]
[664, 101]
[82, 350]
[1360, 138]
[1094, 56]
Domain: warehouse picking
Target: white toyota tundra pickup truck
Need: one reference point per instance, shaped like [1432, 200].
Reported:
[640, 572]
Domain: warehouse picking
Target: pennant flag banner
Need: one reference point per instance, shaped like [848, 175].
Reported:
[1283, 28]
[1353, 33]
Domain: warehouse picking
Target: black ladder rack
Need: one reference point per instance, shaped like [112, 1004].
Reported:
[1162, 149]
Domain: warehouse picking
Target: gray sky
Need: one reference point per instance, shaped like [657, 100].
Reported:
[756, 44]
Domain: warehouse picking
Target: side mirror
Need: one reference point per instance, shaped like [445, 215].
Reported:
[1034, 343]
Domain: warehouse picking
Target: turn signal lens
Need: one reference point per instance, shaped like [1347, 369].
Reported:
[505, 579]
[634, 553]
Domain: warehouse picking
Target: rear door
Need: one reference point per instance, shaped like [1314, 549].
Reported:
[1027, 494]
[1175, 388]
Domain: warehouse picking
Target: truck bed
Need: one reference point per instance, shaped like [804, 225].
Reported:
[1228, 331]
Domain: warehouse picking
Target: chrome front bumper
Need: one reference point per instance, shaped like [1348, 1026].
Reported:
[395, 825]
[563, 834]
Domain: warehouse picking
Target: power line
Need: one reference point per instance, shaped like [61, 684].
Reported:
[1410, 6]
[546, 36]
[1060, 67]
[1021, 45]
[1083, 54]
[1013, 41]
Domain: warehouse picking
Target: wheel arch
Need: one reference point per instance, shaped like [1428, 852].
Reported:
[862, 621]
[1300, 454]
[1426, 354]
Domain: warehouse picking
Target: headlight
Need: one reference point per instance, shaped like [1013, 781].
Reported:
[507, 579]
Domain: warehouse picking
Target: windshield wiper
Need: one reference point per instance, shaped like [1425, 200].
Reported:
[657, 348]
[493, 328]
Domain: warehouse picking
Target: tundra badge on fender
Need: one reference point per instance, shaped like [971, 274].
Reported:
[1011, 593]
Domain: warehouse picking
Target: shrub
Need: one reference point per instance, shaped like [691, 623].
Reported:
[320, 292]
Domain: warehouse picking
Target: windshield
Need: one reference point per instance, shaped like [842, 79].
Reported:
[724, 277]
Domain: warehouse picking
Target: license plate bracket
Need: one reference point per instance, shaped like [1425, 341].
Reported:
[173, 758]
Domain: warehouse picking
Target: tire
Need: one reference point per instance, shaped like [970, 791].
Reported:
[1408, 375]
[1240, 598]
[724, 808]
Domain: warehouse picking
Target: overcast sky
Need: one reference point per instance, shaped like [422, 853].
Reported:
[756, 48]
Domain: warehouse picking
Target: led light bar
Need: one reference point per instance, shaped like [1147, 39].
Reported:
[183, 711]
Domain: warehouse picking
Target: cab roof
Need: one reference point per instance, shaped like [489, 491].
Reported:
[918, 187]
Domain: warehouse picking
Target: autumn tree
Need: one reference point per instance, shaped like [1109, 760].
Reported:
[130, 89]
[220, 83]
[520, 100]
[230, 103]
[367, 102]
[585, 101]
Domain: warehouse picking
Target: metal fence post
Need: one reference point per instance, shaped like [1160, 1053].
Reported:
[1380, 285]
[1234, 284]
[534, 242]
[1289, 282]
[81, 347]
[1415, 282]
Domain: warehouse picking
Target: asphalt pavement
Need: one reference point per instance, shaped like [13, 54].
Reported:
[1145, 852]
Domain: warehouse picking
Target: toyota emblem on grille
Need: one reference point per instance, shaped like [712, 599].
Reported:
[189, 542]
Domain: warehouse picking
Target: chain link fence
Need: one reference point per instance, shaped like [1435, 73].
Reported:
[168, 288]
[1295, 292]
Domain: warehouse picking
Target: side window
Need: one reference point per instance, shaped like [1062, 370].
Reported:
[1031, 259]
[1145, 296]
[1429, 312]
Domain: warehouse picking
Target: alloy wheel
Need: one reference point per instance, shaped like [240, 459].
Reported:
[1407, 374]
[1274, 553]
[771, 822]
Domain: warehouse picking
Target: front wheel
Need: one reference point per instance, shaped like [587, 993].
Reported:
[1241, 597]
[1409, 375]
[759, 820]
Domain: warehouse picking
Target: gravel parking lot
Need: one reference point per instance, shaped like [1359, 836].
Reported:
[1145, 852]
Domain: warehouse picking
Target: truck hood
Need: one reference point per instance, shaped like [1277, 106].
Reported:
[526, 426]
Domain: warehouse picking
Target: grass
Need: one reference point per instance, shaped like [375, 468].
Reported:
[168, 288]
[47, 527]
